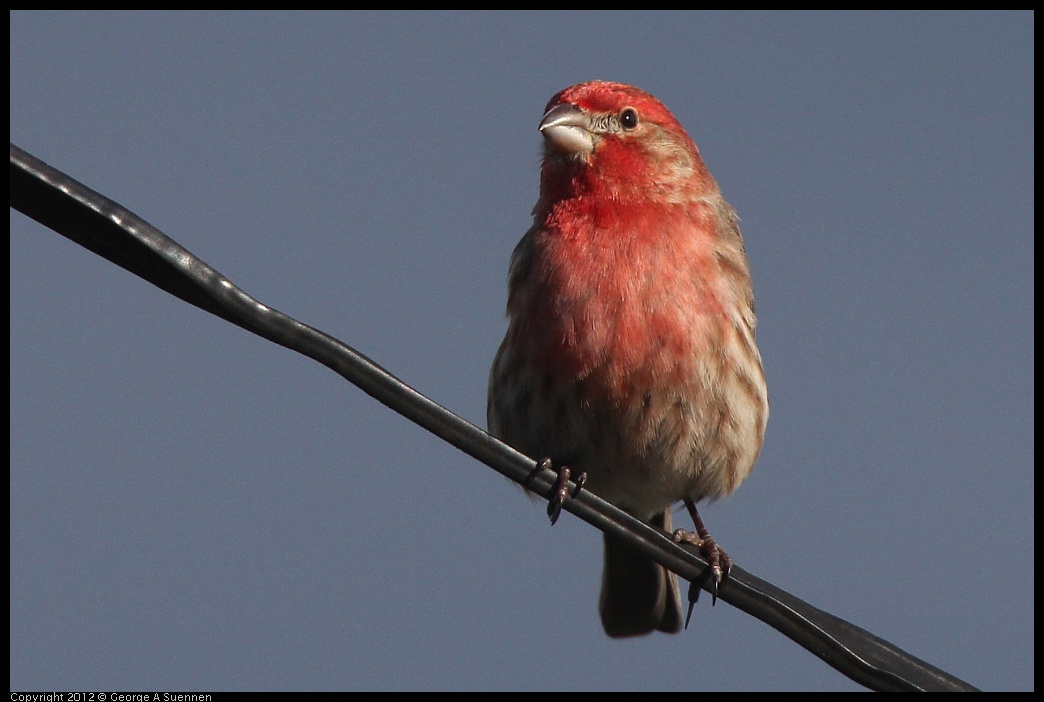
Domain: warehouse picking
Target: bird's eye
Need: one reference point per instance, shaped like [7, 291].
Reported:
[629, 118]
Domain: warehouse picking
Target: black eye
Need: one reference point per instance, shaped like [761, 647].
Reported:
[629, 118]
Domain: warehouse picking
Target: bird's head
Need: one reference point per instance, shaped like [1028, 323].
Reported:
[617, 141]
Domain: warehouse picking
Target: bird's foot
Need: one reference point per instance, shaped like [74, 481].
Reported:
[560, 491]
[720, 562]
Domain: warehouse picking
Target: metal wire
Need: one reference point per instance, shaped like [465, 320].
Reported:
[97, 223]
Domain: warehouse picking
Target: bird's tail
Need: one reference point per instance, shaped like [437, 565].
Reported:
[639, 596]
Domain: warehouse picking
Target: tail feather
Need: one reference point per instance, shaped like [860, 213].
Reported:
[639, 596]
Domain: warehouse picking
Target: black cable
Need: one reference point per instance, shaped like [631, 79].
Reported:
[113, 232]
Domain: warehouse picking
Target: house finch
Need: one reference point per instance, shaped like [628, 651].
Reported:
[630, 350]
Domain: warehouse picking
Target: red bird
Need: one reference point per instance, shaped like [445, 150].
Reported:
[630, 351]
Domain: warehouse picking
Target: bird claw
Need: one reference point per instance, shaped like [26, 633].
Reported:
[560, 490]
[720, 562]
[694, 597]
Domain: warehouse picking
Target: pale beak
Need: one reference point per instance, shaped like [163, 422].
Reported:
[566, 129]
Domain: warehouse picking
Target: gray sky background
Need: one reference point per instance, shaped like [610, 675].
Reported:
[194, 508]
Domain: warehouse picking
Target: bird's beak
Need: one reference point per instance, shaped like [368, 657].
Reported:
[566, 128]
